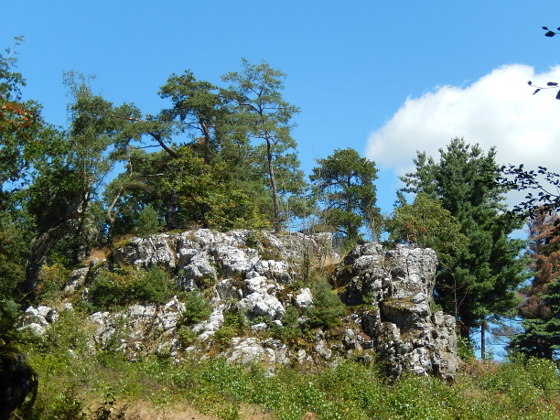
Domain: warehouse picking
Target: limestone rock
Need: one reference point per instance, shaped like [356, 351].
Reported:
[253, 273]
[76, 280]
[398, 284]
[303, 298]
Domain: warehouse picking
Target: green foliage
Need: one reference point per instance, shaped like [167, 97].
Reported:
[67, 406]
[209, 196]
[259, 112]
[16, 228]
[290, 328]
[481, 282]
[22, 129]
[9, 312]
[343, 183]
[465, 349]
[540, 310]
[327, 306]
[186, 335]
[236, 324]
[68, 177]
[148, 221]
[127, 285]
[52, 279]
[197, 308]
[348, 391]
[200, 109]
[541, 335]
[426, 224]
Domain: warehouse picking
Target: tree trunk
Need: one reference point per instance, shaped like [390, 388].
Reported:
[40, 248]
[483, 328]
[275, 198]
[207, 140]
[171, 211]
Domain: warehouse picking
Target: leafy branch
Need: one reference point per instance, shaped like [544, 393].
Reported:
[550, 33]
[549, 85]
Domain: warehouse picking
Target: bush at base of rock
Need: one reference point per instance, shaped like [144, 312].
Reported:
[197, 308]
[326, 308]
[127, 285]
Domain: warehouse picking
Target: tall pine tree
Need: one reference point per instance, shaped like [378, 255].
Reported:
[481, 284]
[261, 114]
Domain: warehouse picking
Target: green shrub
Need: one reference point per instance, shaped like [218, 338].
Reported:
[187, 336]
[235, 325]
[290, 328]
[153, 286]
[9, 312]
[465, 349]
[327, 307]
[148, 222]
[52, 279]
[126, 286]
[544, 375]
[197, 308]
[66, 405]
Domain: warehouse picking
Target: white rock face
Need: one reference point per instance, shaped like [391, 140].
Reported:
[37, 320]
[206, 256]
[400, 282]
[237, 269]
[303, 298]
[208, 328]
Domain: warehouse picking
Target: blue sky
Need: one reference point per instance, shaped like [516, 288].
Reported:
[385, 78]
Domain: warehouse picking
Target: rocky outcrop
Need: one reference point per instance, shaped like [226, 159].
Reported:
[399, 284]
[258, 276]
[205, 255]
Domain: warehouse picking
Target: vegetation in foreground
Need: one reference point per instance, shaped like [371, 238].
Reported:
[77, 383]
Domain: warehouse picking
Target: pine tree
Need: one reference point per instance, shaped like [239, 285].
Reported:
[481, 284]
[426, 224]
[260, 113]
[343, 184]
[541, 336]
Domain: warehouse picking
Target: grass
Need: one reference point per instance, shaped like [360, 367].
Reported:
[78, 382]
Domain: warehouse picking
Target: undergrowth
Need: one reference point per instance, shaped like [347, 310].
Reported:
[77, 382]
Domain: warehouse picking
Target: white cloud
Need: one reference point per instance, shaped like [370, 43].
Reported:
[497, 110]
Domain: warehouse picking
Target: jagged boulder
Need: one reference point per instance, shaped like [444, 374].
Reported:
[205, 256]
[399, 284]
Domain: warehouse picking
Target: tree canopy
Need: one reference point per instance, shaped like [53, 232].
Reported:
[344, 184]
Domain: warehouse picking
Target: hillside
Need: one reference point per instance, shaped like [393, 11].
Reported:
[247, 324]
